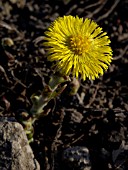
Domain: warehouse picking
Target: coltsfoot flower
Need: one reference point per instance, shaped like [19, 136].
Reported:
[78, 47]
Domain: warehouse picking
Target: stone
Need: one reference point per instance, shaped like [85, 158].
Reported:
[15, 151]
[77, 157]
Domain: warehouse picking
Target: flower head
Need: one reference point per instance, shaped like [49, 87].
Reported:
[79, 47]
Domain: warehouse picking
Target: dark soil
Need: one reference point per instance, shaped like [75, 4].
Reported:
[97, 116]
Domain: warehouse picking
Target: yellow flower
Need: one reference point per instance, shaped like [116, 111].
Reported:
[79, 47]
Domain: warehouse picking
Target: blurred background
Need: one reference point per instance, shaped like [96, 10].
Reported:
[24, 70]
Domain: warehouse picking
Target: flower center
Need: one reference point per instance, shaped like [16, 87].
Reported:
[79, 44]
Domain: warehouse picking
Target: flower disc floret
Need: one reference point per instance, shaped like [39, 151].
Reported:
[78, 47]
[79, 44]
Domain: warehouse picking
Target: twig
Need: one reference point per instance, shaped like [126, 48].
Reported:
[109, 11]
[8, 27]
[119, 166]
[71, 9]
[93, 98]
[122, 52]
[92, 5]
[4, 72]
[76, 140]
[123, 37]
[17, 80]
[97, 10]
[82, 10]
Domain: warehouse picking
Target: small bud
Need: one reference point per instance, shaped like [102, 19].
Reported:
[74, 86]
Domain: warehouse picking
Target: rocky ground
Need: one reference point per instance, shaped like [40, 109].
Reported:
[97, 116]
